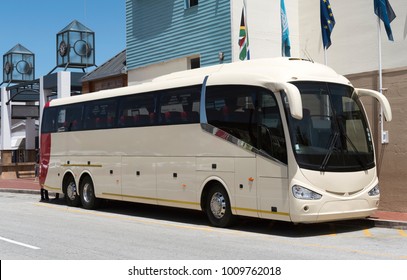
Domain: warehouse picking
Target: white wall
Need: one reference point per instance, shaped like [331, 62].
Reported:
[263, 19]
[152, 71]
[354, 46]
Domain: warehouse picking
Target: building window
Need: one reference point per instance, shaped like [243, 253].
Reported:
[194, 63]
[190, 3]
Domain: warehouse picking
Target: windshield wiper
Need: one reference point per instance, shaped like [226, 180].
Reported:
[330, 150]
[357, 154]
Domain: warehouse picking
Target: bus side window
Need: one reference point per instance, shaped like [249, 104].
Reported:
[179, 106]
[231, 108]
[137, 110]
[272, 139]
[74, 117]
[49, 120]
[61, 121]
[100, 114]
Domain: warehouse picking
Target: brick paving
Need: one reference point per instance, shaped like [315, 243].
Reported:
[20, 184]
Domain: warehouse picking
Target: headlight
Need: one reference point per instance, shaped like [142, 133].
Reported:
[375, 191]
[304, 193]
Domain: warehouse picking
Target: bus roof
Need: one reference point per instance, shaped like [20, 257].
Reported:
[253, 72]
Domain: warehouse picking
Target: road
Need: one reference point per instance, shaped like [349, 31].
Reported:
[35, 230]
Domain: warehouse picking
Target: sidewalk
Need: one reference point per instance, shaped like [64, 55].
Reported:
[26, 185]
[379, 218]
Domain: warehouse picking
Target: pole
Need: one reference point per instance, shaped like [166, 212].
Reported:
[326, 56]
[379, 37]
[247, 29]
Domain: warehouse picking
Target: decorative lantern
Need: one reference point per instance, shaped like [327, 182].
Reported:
[75, 46]
[18, 65]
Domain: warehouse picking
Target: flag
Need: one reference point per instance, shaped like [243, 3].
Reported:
[285, 34]
[327, 23]
[244, 37]
[384, 11]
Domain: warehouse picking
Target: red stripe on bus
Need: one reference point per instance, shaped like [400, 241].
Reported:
[44, 156]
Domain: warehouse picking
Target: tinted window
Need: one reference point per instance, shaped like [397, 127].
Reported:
[231, 108]
[176, 106]
[70, 118]
[271, 139]
[179, 106]
[250, 114]
[49, 120]
[100, 114]
[137, 110]
[333, 134]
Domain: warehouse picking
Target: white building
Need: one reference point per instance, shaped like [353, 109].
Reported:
[164, 37]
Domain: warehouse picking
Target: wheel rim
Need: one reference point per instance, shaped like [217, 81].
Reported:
[71, 191]
[87, 192]
[218, 205]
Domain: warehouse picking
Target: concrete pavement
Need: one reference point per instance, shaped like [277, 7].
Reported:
[379, 218]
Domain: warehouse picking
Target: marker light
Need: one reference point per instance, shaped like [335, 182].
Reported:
[304, 193]
[375, 191]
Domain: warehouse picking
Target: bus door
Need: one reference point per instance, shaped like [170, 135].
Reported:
[272, 170]
[250, 118]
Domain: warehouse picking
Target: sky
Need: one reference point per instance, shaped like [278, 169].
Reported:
[35, 24]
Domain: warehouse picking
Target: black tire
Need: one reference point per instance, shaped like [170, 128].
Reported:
[218, 208]
[88, 198]
[71, 193]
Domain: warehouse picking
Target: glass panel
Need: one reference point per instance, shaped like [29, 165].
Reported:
[193, 3]
[179, 106]
[74, 117]
[231, 108]
[49, 120]
[137, 110]
[271, 128]
[61, 120]
[333, 134]
[190, 3]
[251, 115]
[100, 114]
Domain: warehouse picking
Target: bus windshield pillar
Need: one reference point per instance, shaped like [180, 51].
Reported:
[293, 95]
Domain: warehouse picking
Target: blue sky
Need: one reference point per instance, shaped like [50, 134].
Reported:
[34, 24]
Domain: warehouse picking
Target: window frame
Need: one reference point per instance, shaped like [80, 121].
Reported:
[188, 4]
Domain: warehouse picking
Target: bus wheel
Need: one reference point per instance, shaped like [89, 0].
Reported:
[88, 198]
[71, 195]
[218, 207]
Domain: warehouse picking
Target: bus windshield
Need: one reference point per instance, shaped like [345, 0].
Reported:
[333, 134]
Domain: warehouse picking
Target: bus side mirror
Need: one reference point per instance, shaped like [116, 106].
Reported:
[293, 96]
[379, 97]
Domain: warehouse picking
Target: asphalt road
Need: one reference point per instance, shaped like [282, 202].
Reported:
[35, 230]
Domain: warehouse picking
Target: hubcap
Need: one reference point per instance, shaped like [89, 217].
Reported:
[87, 192]
[218, 205]
[71, 191]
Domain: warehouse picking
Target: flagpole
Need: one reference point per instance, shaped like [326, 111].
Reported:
[379, 38]
[247, 28]
[326, 56]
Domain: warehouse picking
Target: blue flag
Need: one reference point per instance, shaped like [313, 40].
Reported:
[384, 11]
[327, 23]
[285, 34]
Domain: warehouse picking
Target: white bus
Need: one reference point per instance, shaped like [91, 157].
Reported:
[283, 139]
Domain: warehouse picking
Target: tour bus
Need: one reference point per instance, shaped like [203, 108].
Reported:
[282, 139]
